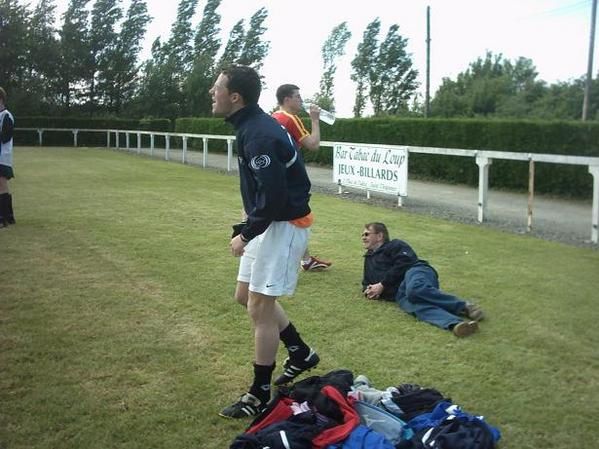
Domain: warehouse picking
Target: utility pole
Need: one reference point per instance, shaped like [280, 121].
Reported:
[427, 95]
[587, 86]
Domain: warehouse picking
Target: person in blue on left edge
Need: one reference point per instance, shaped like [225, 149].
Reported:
[6, 171]
[275, 190]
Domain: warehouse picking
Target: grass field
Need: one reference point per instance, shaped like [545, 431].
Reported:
[118, 328]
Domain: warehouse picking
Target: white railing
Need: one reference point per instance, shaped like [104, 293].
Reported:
[483, 159]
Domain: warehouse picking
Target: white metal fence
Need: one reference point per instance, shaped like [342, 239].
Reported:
[483, 159]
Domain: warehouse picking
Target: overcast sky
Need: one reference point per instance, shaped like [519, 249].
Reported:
[555, 34]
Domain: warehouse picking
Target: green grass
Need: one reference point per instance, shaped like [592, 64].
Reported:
[118, 328]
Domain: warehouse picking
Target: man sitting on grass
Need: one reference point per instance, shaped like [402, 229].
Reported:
[393, 271]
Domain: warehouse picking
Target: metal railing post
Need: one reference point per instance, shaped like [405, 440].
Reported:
[229, 153]
[138, 143]
[75, 132]
[151, 144]
[483, 185]
[531, 192]
[184, 152]
[167, 146]
[594, 170]
[107, 139]
[204, 151]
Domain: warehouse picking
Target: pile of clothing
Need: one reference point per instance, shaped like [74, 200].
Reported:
[338, 411]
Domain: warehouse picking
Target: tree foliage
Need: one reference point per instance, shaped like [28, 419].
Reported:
[207, 44]
[255, 49]
[383, 72]
[363, 65]
[234, 45]
[90, 63]
[393, 81]
[497, 87]
[333, 48]
[43, 52]
[129, 45]
[14, 25]
[103, 42]
[75, 53]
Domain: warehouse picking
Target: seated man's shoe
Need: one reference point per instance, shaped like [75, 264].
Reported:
[247, 405]
[465, 328]
[314, 264]
[293, 368]
[474, 312]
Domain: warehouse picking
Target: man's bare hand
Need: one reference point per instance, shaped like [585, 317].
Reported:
[374, 291]
[237, 246]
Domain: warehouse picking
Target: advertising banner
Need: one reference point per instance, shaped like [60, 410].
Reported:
[373, 168]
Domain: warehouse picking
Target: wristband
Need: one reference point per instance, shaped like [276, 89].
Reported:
[243, 239]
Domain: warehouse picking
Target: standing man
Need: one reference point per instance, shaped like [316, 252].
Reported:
[290, 105]
[393, 271]
[275, 191]
[6, 172]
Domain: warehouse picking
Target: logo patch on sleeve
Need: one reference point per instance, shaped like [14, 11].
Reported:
[259, 162]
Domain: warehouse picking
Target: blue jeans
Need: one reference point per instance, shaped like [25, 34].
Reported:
[419, 295]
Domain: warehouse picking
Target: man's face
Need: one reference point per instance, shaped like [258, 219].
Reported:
[371, 240]
[293, 104]
[222, 104]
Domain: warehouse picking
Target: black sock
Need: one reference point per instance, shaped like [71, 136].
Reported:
[261, 386]
[293, 342]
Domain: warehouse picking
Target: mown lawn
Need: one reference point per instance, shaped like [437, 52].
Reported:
[118, 328]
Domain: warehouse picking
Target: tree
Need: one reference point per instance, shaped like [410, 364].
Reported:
[393, 81]
[129, 43]
[363, 64]
[234, 46]
[162, 88]
[333, 48]
[14, 20]
[178, 48]
[42, 54]
[103, 45]
[254, 49]
[207, 44]
[158, 94]
[492, 86]
[75, 54]
[563, 100]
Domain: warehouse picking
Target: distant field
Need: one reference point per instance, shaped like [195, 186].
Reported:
[118, 328]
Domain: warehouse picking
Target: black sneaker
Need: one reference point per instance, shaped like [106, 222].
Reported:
[248, 405]
[293, 368]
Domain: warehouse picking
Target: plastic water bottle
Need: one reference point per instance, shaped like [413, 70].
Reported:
[325, 116]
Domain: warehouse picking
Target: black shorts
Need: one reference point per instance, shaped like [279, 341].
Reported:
[6, 172]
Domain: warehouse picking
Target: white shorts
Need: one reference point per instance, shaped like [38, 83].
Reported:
[271, 261]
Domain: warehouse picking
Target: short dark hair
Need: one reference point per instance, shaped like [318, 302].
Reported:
[378, 228]
[245, 81]
[2, 95]
[284, 91]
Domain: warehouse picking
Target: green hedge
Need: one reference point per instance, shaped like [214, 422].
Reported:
[550, 137]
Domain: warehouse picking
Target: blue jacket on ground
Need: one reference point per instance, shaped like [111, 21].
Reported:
[388, 264]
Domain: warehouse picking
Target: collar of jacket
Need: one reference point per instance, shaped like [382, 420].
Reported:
[236, 119]
[370, 252]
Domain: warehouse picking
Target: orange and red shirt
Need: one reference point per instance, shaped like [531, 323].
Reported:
[293, 124]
